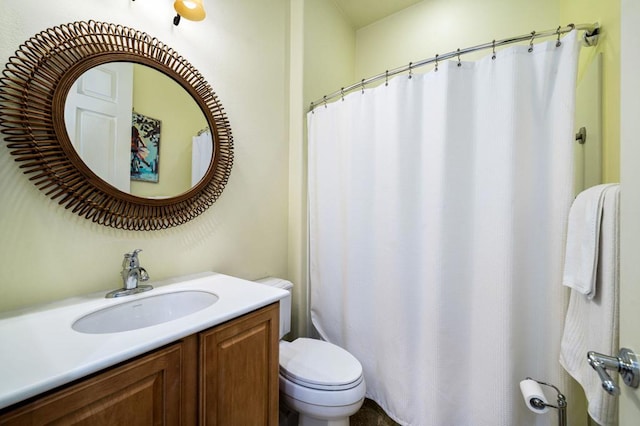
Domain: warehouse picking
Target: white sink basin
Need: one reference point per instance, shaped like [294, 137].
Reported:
[144, 312]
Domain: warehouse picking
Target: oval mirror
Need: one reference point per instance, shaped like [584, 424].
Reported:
[49, 142]
[138, 130]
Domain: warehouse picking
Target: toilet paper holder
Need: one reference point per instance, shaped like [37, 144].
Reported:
[626, 363]
[539, 404]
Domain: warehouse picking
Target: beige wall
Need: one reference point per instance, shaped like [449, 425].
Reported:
[607, 13]
[322, 49]
[48, 253]
[329, 49]
[441, 26]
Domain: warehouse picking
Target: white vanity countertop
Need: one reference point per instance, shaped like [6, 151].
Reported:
[40, 351]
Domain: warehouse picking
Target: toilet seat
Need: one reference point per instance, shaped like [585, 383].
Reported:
[291, 391]
[316, 364]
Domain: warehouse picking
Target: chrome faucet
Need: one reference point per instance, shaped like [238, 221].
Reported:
[132, 275]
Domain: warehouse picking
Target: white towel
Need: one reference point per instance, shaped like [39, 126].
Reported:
[592, 323]
[583, 234]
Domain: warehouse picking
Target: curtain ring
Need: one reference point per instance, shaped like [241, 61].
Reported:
[312, 108]
[410, 69]
[342, 93]
[459, 63]
[386, 78]
[362, 85]
[494, 50]
[558, 42]
[436, 69]
[533, 35]
[324, 100]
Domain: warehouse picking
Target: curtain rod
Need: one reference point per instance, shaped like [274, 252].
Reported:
[590, 38]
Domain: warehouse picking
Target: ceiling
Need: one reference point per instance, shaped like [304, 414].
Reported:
[363, 12]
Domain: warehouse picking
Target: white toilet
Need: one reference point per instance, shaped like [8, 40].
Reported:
[322, 382]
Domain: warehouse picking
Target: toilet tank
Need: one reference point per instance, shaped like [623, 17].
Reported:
[285, 303]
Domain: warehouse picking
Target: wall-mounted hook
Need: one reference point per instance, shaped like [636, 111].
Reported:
[581, 136]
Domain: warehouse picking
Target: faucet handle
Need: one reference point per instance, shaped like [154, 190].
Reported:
[131, 259]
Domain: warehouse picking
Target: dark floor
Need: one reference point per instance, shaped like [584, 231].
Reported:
[370, 414]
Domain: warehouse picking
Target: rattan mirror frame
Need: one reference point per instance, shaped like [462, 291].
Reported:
[33, 90]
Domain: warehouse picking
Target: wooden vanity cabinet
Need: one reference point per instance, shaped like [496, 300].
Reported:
[144, 391]
[226, 375]
[239, 371]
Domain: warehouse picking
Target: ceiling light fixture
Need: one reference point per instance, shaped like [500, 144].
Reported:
[192, 10]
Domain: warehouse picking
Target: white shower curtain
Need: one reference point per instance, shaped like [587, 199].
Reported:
[438, 209]
[201, 152]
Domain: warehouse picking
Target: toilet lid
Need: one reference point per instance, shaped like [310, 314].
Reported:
[319, 364]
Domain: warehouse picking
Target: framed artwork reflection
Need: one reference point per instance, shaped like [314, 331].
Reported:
[145, 148]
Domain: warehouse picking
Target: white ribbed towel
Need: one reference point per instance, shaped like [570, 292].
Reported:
[583, 234]
[591, 324]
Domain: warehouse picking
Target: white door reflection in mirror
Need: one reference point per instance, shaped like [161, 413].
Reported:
[98, 109]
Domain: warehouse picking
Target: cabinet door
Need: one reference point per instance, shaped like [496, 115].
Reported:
[239, 371]
[145, 391]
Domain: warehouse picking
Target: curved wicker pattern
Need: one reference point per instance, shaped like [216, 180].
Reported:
[33, 89]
